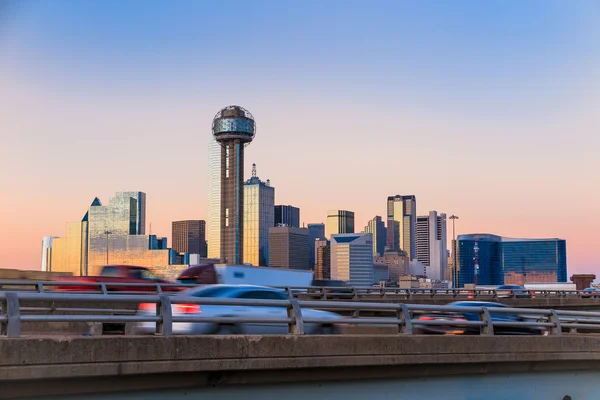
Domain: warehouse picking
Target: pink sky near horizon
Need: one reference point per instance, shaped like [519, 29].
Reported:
[512, 154]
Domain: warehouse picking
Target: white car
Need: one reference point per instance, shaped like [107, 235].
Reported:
[236, 292]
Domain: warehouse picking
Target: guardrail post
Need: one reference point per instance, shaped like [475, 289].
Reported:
[433, 292]
[40, 287]
[13, 314]
[164, 326]
[410, 293]
[405, 320]
[103, 288]
[354, 294]
[487, 329]
[159, 290]
[294, 312]
[555, 321]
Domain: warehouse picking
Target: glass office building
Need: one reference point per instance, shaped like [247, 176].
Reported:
[259, 216]
[376, 227]
[339, 221]
[213, 230]
[486, 259]
[287, 216]
[403, 211]
[110, 234]
[352, 258]
[315, 231]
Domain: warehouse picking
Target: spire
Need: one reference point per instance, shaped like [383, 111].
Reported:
[254, 170]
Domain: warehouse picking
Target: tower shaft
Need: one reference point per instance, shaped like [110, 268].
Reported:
[232, 201]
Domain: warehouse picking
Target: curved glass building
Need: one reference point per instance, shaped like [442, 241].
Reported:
[233, 128]
[486, 259]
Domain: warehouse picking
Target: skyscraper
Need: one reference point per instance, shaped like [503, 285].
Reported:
[339, 221]
[287, 216]
[288, 247]
[323, 259]
[233, 127]
[352, 258]
[110, 235]
[315, 231]
[189, 237]
[432, 248]
[214, 199]
[377, 228]
[259, 216]
[403, 210]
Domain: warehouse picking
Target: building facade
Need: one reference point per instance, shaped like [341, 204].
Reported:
[323, 259]
[431, 245]
[352, 258]
[189, 237]
[376, 227]
[486, 259]
[288, 247]
[109, 234]
[214, 200]
[259, 216]
[403, 210]
[315, 231]
[397, 263]
[287, 216]
[233, 127]
[338, 222]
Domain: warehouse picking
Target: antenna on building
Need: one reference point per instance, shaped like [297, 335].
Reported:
[254, 170]
[150, 228]
[268, 182]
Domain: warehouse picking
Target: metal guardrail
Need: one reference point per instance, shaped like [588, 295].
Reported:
[321, 292]
[401, 316]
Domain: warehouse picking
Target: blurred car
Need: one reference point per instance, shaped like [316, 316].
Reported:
[454, 317]
[237, 292]
[590, 292]
[512, 291]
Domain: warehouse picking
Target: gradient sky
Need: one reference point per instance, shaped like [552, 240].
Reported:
[485, 109]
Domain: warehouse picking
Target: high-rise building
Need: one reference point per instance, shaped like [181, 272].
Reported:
[110, 234]
[486, 259]
[397, 263]
[403, 209]
[214, 199]
[288, 247]
[315, 231]
[339, 221]
[323, 259]
[376, 227]
[287, 216]
[47, 252]
[352, 258]
[432, 248]
[189, 237]
[259, 216]
[233, 127]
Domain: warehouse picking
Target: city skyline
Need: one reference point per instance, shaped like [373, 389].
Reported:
[491, 124]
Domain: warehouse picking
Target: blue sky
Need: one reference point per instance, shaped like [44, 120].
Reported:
[486, 109]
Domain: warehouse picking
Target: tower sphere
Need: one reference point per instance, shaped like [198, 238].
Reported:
[234, 123]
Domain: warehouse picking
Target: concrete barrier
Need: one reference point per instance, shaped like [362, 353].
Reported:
[66, 365]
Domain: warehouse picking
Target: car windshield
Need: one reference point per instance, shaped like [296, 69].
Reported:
[211, 291]
[476, 304]
[511, 287]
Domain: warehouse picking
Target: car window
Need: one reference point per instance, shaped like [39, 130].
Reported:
[263, 295]
[111, 272]
[213, 291]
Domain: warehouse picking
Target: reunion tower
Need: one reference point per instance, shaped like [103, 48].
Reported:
[233, 128]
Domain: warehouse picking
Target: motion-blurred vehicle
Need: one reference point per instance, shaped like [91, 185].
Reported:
[513, 291]
[334, 289]
[118, 274]
[590, 292]
[265, 313]
[210, 274]
[453, 317]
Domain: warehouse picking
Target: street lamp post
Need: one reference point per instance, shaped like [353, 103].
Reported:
[107, 233]
[454, 246]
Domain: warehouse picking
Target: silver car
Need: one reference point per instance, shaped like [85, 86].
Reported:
[237, 292]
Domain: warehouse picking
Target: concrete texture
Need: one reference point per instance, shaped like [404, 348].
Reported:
[62, 365]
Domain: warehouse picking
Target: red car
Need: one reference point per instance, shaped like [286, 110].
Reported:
[112, 274]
